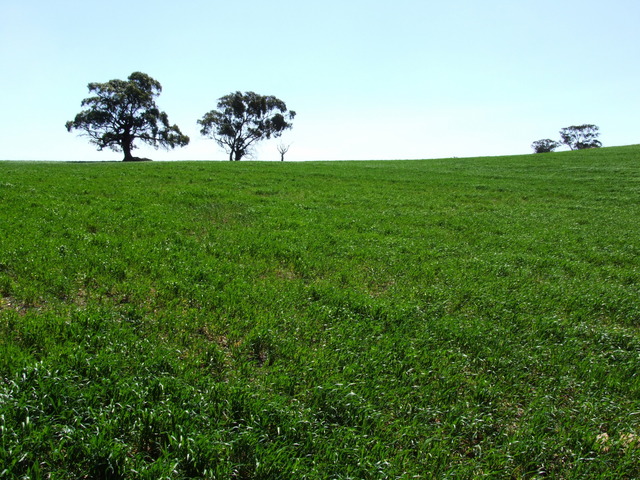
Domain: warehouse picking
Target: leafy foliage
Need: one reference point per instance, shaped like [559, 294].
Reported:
[580, 137]
[545, 145]
[242, 119]
[122, 112]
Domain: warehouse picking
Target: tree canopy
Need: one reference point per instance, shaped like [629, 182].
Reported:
[243, 119]
[545, 145]
[123, 111]
[579, 137]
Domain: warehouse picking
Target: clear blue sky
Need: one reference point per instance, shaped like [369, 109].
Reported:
[372, 79]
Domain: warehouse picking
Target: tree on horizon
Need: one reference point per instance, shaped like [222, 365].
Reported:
[123, 111]
[243, 119]
[580, 137]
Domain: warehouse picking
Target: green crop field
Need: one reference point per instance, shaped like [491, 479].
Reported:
[458, 318]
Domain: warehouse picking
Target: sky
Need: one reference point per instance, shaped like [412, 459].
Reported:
[376, 79]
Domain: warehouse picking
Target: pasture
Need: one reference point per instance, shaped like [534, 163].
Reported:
[454, 318]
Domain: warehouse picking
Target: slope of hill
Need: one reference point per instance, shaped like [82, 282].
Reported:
[455, 318]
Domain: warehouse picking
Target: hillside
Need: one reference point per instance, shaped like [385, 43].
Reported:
[453, 318]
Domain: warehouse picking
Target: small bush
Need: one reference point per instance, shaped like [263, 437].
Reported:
[545, 145]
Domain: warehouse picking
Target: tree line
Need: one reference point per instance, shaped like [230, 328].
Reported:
[122, 112]
[576, 137]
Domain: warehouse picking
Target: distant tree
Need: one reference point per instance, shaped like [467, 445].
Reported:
[123, 111]
[579, 137]
[545, 145]
[242, 119]
[282, 149]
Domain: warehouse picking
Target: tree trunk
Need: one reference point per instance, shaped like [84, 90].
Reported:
[126, 148]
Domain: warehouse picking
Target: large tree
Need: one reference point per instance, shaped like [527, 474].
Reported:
[242, 119]
[123, 111]
[579, 137]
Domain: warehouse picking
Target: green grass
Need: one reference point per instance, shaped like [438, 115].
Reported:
[460, 318]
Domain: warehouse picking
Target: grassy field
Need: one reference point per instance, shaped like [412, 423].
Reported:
[460, 318]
